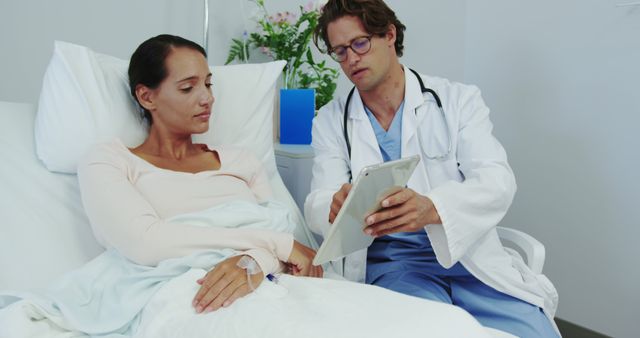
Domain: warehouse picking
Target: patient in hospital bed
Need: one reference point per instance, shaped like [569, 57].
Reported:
[191, 233]
[129, 194]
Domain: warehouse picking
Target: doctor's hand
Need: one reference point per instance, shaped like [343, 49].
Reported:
[225, 283]
[404, 211]
[300, 261]
[338, 200]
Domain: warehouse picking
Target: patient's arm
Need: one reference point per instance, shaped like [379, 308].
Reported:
[123, 219]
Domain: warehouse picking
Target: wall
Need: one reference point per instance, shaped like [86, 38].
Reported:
[116, 27]
[435, 36]
[560, 77]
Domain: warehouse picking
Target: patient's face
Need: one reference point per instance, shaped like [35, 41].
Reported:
[183, 100]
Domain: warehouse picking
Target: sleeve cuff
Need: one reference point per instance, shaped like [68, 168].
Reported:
[267, 262]
[283, 246]
[438, 235]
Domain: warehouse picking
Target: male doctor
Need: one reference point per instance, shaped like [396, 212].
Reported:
[437, 238]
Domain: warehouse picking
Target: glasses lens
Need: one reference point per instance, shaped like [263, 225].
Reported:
[339, 53]
[361, 45]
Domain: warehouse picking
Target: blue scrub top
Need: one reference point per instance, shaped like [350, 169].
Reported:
[390, 142]
[407, 250]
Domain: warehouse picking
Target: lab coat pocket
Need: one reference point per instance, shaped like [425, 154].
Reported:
[441, 171]
[437, 148]
[434, 135]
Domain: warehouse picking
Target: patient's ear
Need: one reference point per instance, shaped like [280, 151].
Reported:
[145, 97]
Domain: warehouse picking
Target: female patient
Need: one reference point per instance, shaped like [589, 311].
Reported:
[129, 193]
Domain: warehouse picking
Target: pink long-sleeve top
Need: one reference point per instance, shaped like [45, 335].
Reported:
[129, 201]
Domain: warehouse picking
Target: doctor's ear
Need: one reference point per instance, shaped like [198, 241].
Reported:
[391, 35]
[145, 97]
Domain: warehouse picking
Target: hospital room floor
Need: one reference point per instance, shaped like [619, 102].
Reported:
[570, 330]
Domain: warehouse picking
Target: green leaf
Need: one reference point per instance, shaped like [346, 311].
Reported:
[290, 41]
[239, 50]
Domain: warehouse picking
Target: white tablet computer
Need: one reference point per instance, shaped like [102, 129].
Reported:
[371, 187]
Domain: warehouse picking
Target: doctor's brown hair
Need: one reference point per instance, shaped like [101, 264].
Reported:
[375, 16]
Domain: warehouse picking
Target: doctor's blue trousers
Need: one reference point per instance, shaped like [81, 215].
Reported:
[406, 263]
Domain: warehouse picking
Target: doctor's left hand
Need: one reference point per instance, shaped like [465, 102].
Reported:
[404, 211]
[225, 283]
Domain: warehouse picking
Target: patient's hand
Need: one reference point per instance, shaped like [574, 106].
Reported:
[338, 200]
[300, 261]
[225, 283]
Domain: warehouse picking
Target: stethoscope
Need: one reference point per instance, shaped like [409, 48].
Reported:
[424, 90]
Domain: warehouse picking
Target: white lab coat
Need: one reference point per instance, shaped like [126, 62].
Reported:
[471, 189]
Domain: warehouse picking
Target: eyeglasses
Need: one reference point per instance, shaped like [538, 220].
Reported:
[360, 46]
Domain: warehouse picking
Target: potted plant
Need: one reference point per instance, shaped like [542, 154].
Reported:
[287, 36]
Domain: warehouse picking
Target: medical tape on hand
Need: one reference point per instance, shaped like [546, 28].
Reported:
[251, 266]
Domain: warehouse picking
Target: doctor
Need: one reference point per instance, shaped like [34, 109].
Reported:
[437, 238]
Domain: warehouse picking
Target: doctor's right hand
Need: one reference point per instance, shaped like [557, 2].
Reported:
[338, 200]
[300, 261]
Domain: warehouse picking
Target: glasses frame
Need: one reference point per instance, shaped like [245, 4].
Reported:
[335, 57]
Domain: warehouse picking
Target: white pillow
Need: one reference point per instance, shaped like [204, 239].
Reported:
[85, 99]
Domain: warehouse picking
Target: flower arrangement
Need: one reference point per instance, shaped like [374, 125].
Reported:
[287, 36]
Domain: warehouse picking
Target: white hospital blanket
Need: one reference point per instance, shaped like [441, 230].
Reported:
[104, 298]
[305, 307]
[113, 297]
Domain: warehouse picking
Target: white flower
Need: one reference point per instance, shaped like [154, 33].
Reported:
[291, 18]
[310, 6]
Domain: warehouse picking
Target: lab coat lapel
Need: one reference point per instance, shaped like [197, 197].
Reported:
[414, 99]
[364, 145]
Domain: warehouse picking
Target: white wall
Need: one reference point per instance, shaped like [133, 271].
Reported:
[28, 29]
[116, 27]
[435, 36]
[434, 41]
[562, 78]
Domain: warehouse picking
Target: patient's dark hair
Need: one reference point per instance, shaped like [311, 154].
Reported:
[375, 16]
[147, 65]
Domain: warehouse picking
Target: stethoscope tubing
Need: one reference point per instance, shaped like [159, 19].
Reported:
[423, 89]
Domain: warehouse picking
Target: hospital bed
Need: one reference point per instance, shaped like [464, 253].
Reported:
[44, 231]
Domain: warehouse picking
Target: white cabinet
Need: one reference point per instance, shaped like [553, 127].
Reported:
[294, 162]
